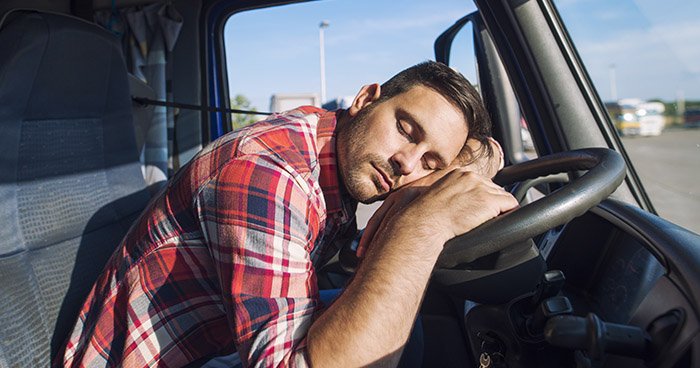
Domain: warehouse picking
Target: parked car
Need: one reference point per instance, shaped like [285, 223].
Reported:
[586, 276]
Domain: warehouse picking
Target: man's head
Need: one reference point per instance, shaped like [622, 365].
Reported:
[414, 124]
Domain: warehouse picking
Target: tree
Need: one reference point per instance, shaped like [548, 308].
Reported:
[241, 102]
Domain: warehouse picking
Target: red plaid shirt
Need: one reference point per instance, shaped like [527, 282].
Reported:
[223, 259]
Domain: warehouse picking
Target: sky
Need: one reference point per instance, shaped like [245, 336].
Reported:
[632, 48]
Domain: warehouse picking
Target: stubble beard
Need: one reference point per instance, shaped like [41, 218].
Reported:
[353, 134]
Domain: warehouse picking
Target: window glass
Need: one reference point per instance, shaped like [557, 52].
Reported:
[643, 57]
[462, 55]
[273, 55]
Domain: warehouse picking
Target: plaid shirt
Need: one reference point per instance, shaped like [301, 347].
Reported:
[223, 260]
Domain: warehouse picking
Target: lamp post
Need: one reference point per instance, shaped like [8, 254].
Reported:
[324, 24]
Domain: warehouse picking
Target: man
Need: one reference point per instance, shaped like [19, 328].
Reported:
[224, 259]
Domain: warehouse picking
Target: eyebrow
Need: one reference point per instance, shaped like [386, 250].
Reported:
[403, 114]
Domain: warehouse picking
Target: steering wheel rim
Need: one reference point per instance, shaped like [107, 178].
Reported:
[606, 171]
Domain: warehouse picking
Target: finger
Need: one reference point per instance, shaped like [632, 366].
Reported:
[461, 180]
[392, 204]
[429, 179]
[506, 201]
[385, 210]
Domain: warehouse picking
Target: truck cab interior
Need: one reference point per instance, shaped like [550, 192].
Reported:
[584, 274]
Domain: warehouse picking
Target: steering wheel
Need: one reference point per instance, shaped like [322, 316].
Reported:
[509, 234]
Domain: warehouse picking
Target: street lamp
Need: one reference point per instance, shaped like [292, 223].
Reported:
[324, 24]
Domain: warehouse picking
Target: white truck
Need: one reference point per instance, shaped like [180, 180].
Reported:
[651, 118]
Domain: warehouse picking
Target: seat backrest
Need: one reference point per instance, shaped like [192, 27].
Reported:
[70, 179]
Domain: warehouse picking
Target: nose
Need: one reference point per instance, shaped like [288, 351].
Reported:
[408, 159]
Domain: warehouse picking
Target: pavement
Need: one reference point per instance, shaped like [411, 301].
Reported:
[669, 167]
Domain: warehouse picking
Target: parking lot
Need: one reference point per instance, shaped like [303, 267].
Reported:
[669, 166]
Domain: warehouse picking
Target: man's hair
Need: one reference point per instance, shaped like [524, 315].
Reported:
[455, 88]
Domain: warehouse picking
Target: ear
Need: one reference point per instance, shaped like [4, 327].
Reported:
[368, 94]
[498, 150]
[486, 166]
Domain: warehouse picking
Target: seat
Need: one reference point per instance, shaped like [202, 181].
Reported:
[70, 178]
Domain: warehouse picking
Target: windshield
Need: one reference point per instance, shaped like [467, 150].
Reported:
[644, 59]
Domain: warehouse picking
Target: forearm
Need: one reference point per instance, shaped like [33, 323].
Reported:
[372, 319]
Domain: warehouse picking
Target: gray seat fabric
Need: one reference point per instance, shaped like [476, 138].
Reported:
[70, 179]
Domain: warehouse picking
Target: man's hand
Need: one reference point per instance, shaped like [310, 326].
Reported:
[457, 203]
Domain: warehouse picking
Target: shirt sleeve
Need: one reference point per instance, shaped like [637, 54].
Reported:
[260, 224]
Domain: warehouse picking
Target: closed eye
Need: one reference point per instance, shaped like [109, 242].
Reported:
[430, 164]
[403, 132]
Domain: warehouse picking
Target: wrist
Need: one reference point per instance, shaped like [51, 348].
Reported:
[424, 226]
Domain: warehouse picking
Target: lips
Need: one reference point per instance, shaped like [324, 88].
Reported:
[384, 179]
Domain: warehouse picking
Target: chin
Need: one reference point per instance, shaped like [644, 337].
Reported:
[361, 186]
[365, 193]
[378, 197]
[371, 198]
[364, 197]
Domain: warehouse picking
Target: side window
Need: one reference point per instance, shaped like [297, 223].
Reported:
[642, 57]
[274, 56]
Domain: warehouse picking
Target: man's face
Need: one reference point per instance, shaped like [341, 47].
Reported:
[389, 144]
